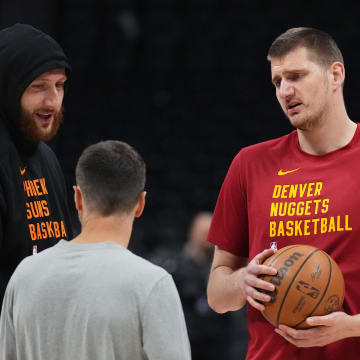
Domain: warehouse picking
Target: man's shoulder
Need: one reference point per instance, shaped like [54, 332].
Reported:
[135, 273]
[45, 150]
[32, 261]
[146, 267]
[47, 156]
[266, 149]
[268, 146]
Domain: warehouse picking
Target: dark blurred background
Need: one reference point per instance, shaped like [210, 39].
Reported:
[186, 83]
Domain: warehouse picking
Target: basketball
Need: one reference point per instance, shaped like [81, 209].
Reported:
[308, 283]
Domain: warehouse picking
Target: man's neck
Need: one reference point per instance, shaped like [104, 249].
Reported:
[333, 133]
[97, 229]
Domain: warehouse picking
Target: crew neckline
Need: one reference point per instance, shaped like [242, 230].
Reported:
[330, 153]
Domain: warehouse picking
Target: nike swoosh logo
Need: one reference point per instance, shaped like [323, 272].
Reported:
[23, 171]
[281, 172]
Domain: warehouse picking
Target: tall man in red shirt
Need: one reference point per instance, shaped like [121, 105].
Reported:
[300, 188]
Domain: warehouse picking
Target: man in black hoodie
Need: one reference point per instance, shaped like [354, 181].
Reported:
[33, 206]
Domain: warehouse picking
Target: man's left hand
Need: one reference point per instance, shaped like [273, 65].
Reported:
[325, 330]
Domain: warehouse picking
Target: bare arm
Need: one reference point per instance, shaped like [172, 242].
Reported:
[233, 281]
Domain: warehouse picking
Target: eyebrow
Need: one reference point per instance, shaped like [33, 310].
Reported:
[64, 78]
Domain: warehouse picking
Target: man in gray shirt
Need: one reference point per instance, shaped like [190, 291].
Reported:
[91, 298]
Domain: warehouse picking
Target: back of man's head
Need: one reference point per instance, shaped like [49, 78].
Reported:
[321, 47]
[111, 176]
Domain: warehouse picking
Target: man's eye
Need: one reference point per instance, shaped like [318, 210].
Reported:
[277, 83]
[60, 85]
[37, 86]
[296, 76]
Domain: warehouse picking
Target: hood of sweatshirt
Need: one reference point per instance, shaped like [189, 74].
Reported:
[25, 53]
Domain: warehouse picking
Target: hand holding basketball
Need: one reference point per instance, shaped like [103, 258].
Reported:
[253, 287]
[308, 283]
[327, 329]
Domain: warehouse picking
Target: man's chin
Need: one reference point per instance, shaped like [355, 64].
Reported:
[298, 122]
[304, 125]
[35, 135]
[46, 134]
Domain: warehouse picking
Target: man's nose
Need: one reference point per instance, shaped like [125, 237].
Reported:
[53, 98]
[286, 89]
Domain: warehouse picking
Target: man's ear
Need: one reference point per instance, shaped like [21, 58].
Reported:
[78, 198]
[141, 204]
[337, 71]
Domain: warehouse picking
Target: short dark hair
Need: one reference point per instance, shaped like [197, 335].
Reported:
[322, 47]
[111, 175]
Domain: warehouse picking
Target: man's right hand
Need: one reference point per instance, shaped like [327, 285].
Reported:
[251, 284]
[234, 281]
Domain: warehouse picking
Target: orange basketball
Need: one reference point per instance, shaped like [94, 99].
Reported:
[308, 283]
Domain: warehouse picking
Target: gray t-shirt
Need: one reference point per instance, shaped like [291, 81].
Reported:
[91, 301]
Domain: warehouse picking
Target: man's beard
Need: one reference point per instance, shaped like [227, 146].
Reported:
[309, 122]
[316, 119]
[30, 130]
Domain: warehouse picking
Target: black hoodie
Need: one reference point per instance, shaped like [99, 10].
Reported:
[33, 205]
